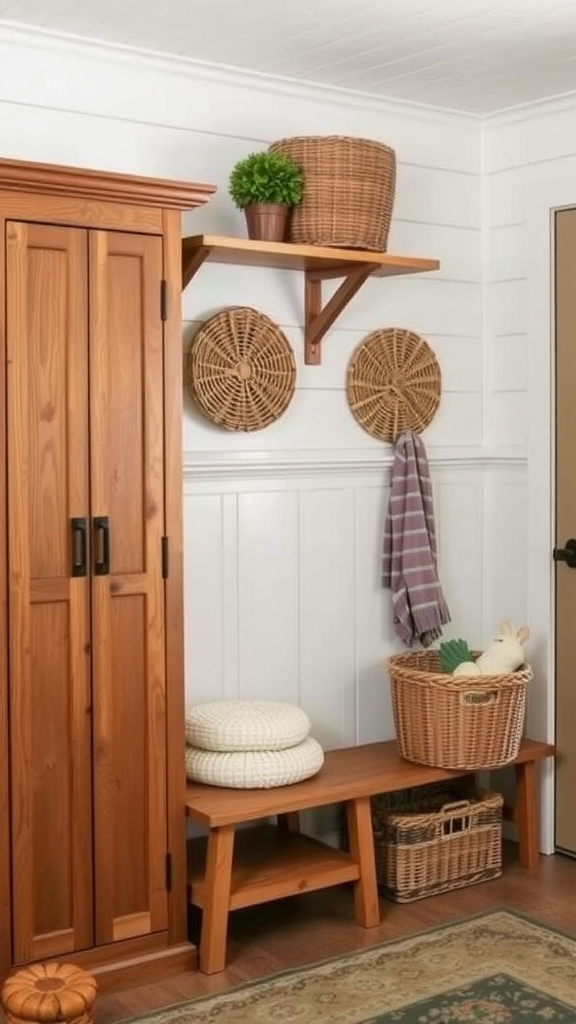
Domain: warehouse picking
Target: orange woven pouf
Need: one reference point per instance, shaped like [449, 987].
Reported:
[49, 992]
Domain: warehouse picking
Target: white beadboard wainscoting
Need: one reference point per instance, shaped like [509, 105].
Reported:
[282, 576]
[282, 579]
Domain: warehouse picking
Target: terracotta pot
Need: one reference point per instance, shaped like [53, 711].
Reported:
[267, 222]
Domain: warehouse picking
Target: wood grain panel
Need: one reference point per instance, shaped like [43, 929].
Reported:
[129, 873]
[97, 213]
[348, 773]
[50, 728]
[327, 261]
[60, 632]
[77, 183]
[174, 584]
[269, 866]
[565, 681]
[127, 485]
[5, 836]
[148, 959]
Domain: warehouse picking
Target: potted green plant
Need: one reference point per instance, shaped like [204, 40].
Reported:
[266, 186]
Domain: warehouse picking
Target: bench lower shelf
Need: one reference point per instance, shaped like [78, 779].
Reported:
[270, 863]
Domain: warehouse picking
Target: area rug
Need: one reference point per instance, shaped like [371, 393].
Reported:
[496, 968]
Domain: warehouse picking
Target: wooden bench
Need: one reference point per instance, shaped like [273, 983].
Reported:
[224, 875]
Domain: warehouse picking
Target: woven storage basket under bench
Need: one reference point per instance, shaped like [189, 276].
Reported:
[436, 843]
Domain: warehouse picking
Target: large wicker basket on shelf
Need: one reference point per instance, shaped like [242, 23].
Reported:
[459, 722]
[349, 187]
[433, 846]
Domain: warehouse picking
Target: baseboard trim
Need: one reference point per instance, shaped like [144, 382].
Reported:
[146, 969]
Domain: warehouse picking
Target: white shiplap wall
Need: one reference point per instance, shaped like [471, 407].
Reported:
[283, 527]
[529, 170]
[524, 155]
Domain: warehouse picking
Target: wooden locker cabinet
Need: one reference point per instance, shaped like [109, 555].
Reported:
[92, 784]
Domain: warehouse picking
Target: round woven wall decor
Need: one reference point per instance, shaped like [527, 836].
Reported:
[241, 370]
[393, 383]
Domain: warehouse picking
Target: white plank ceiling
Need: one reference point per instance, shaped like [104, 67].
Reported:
[475, 56]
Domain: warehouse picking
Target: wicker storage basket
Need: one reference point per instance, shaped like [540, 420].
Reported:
[462, 722]
[349, 187]
[422, 850]
[429, 796]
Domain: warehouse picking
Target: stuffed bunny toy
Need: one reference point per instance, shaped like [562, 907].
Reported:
[505, 654]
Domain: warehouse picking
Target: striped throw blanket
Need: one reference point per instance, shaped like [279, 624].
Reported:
[409, 550]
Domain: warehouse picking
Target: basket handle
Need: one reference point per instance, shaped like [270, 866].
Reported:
[456, 805]
[479, 697]
[461, 823]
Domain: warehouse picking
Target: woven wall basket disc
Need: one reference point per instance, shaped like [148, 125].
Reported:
[241, 370]
[393, 383]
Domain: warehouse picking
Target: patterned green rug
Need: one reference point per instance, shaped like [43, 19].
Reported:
[497, 968]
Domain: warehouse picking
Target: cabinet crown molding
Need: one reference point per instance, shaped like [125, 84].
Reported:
[79, 183]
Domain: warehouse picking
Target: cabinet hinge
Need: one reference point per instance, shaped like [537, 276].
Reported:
[163, 300]
[168, 872]
[165, 558]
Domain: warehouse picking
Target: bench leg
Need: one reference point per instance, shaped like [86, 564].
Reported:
[527, 813]
[289, 822]
[361, 840]
[218, 878]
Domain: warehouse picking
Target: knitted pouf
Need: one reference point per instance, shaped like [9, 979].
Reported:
[233, 725]
[49, 992]
[255, 769]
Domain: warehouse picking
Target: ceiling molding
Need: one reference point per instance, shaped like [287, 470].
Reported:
[528, 111]
[12, 34]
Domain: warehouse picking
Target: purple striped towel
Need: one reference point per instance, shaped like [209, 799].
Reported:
[409, 563]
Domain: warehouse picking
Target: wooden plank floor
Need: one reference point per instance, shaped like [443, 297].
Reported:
[301, 930]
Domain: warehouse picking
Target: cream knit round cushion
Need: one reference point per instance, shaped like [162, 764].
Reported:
[255, 769]
[229, 725]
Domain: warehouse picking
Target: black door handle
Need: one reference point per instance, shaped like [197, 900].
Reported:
[101, 546]
[567, 554]
[79, 538]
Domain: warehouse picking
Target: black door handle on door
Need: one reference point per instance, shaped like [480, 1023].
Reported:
[101, 546]
[79, 559]
[567, 554]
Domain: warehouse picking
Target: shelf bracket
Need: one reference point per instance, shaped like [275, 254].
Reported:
[192, 260]
[319, 319]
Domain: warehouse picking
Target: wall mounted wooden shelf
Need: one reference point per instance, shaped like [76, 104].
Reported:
[317, 263]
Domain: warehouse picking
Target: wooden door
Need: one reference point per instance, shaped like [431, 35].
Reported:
[129, 675]
[565, 224]
[49, 638]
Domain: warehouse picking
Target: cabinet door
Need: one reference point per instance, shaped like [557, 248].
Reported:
[50, 727]
[127, 490]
